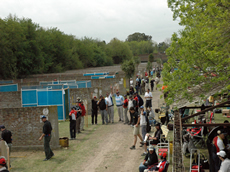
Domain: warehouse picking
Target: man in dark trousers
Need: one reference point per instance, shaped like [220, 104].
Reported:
[94, 109]
[6, 136]
[47, 128]
[78, 120]
[72, 125]
[103, 105]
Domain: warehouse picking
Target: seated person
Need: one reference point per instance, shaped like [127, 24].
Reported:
[3, 166]
[162, 166]
[150, 159]
[225, 165]
[154, 140]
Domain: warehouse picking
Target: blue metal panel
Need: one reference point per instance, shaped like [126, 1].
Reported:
[97, 77]
[55, 97]
[60, 112]
[6, 82]
[8, 88]
[29, 97]
[89, 84]
[113, 76]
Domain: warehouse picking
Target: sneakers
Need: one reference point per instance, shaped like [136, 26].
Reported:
[45, 159]
[132, 147]
[141, 145]
[145, 153]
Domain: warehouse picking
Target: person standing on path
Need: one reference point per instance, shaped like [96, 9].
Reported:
[125, 106]
[110, 111]
[147, 83]
[136, 130]
[47, 128]
[152, 84]
[119, 103]
[103, 106]
[94, 109]
[72, 125]
[148, 97]
[82, 115]
[78, 120]
[131, 104]
[6, 136]
[143, 122]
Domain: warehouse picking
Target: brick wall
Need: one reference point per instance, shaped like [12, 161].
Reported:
[26, 126]
[10, 99]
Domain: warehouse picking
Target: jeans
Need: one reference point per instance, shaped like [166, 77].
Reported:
[72, 127]
[94, 114]
[104, 116]
[47, 149]
[125, 115]
[82, 123]
[143, 131]
[120, 112]
[142, 167]
[111, 113]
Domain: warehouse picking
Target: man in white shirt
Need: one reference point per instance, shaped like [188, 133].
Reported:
[110, 111]
[225, 165]
[148, 96]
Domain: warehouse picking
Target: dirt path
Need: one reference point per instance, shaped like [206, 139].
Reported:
[100, 148]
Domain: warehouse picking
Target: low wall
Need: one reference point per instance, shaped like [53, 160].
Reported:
[10, 99]
[26, 125]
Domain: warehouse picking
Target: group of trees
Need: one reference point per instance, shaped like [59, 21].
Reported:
[200, 51]
[27, 48]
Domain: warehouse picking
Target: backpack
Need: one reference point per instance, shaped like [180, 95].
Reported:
[140, 100]
[102, 105]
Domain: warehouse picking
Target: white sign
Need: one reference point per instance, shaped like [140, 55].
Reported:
[45, 111]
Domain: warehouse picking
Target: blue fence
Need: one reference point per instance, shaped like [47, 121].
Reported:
[68, 83]
[47, 87]
[95, 74]
[102, 77]
[44, 97]
[9, 88]
[6, 82]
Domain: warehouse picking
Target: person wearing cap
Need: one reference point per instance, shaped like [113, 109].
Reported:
[47, 128]
[119, 103]
[154, 140]
[218, 140]
[72, 125]
[83, 112]
[103, 106]
[225, 165]
[150, 159]
[143, 122]
[125, 106]
[148, 96]
[131, 103]
[78, 120]
[3, 167]
[110, 111]
[6, 136]
[136, 130]
[163, 164]
[94, 109]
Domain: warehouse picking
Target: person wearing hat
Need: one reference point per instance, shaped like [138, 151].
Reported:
[143, 122]
[6, 136]
[78, 120]
[150, 159]
[103, 106]
[3, 167]
[94, 109]
[136, 124]
[47, 128]
[82, 115]
[225, 165]
[218, 140]
[72, 125]
[163, 164]
[154, 140]
[125, 106]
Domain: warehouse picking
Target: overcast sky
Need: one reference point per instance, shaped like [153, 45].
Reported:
[102, 19]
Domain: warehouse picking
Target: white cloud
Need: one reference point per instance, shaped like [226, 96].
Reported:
[103, 19]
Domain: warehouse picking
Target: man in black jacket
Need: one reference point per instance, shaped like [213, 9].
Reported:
[150, 159]
[47, 128]
[103, 106]
[94, 109]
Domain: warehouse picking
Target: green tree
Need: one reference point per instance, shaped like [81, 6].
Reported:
[151, 57]
[128, 67]
[200, 52]
[138, 37]
[149, 66]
